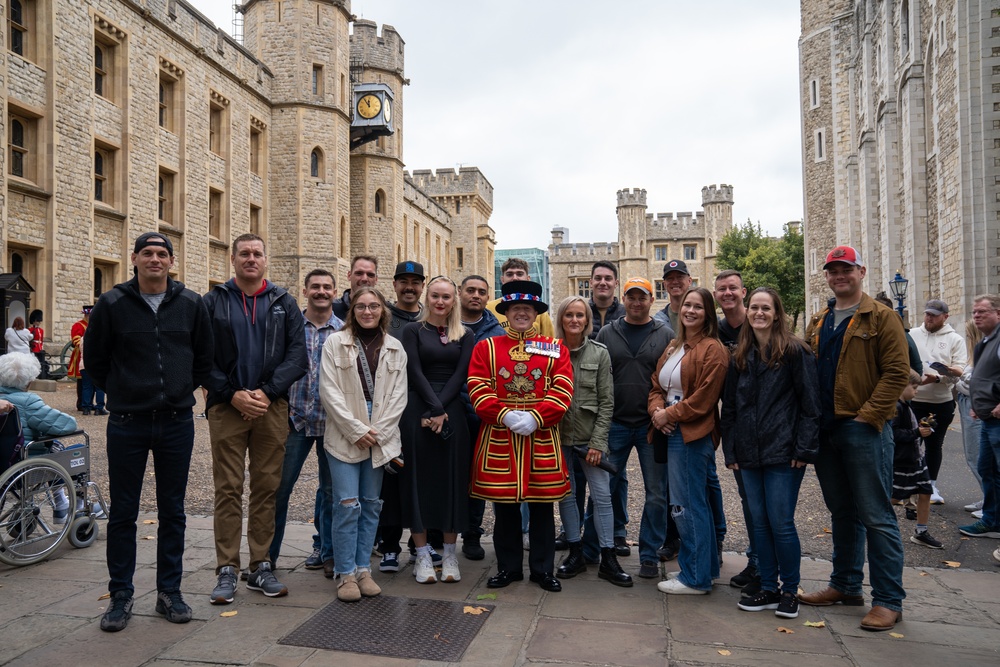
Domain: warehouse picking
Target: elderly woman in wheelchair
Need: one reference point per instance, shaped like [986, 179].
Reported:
[39, 474]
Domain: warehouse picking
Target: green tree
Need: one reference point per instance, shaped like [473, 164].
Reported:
[765, 261]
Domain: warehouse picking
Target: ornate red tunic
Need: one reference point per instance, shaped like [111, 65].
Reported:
[76, 336]
[520, 371]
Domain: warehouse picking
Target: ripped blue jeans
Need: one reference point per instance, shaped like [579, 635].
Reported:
[687, 467]
[355, 522]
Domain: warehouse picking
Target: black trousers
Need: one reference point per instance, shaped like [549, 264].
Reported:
[944, 413]
[541, 534]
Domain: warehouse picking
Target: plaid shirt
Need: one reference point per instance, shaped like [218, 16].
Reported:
[305, 410]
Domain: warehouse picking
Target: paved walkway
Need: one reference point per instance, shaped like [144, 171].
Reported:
[49, 615]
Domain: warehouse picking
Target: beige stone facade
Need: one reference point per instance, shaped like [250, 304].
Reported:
[645, 243]
[900, 107]
[126, 116]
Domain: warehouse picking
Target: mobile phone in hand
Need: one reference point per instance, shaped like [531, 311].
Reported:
[940, 368]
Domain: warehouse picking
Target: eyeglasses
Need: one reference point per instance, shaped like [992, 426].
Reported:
[371, 307]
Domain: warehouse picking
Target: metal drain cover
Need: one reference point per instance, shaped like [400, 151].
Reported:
[397, 627]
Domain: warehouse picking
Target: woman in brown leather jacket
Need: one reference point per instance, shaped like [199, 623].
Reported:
[683, 404]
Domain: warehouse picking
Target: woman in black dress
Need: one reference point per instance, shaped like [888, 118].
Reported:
[434, 483]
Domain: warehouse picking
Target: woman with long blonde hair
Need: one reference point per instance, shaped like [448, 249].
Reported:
[434, 482]
[971, 426]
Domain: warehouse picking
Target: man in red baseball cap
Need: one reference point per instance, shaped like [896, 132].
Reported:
[863, 367]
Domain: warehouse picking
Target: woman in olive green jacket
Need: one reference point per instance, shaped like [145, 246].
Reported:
[586, 424]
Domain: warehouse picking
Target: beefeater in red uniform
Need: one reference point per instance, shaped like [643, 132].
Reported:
[521, 386]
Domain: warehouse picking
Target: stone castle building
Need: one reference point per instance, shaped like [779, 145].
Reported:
[645, 243]
[126, 116]
[900, 107]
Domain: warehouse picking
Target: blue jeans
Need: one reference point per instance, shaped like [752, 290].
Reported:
[854, 467]
[772, 493]
[89, 390]
[715, 502]
[653, 526]
[689, 464]
[355, 522]
[130, 439]
[747, 519]
[989, 471]
[599, 482]
[297, 448]
[972, 427]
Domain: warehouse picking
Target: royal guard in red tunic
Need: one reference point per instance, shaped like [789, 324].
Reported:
[73, 368]
[521, 386]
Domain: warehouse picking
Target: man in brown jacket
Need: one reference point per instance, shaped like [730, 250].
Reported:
[863, 366]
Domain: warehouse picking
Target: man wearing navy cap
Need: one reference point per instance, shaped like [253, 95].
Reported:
[677, 281]
[149, 344]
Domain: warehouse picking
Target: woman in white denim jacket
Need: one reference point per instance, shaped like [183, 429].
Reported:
[363, 387]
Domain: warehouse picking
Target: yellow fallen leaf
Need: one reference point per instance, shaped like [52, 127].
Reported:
[149, 537]
[149, 522]
[723, 651]
[228, 614]
[440, 638]
[475, 611]
[896, 635]
[924, 574]
[815, 624]
[963, 538]
[782, 628]
[827, 530]
[106, 596]
[952, 563]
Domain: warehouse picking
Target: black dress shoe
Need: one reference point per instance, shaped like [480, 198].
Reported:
[504, 578]
[472, 548]
[669, 550]
[622, 548]
[546, 581]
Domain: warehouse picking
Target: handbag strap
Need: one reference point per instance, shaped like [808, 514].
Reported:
[365, 369]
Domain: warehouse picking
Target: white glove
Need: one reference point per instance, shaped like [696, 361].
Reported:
[526, 426]
[512, 419]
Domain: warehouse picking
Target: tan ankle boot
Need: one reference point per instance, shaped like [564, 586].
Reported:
[347, 588]
[367, 584]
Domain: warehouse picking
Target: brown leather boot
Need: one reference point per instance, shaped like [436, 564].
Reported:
[880, 619]
[830, 596]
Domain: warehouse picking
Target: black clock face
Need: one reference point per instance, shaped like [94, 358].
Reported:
[369, 106]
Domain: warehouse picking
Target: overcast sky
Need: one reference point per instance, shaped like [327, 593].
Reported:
[561, 104]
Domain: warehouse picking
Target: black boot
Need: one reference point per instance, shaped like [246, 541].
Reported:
[573, 564]
[611, 570]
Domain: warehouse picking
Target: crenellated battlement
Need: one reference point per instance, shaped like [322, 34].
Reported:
[632, 197]
[447, 181]
[376, 51]
[683, 219]
[710, 194]
[605, 251]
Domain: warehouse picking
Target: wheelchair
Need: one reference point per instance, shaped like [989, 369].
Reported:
[49, 474]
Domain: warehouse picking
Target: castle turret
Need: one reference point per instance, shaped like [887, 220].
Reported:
[717, 204]
[376, 220]
[306, 172]
[631, 210]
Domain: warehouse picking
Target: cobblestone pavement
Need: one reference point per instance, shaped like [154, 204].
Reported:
[812, 517]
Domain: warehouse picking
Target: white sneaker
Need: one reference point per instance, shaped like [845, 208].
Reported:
[673, 575]
[675, 587]
[524, 542]
[972, 507]
[424, 570]
[978, 514]
[996, 555]
[449, 569]
[936, 498]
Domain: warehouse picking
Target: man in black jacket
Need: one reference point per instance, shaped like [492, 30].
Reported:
[149, 345]
[260, 351]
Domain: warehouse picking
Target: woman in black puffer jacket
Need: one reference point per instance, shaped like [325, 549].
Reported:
[770, 431]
